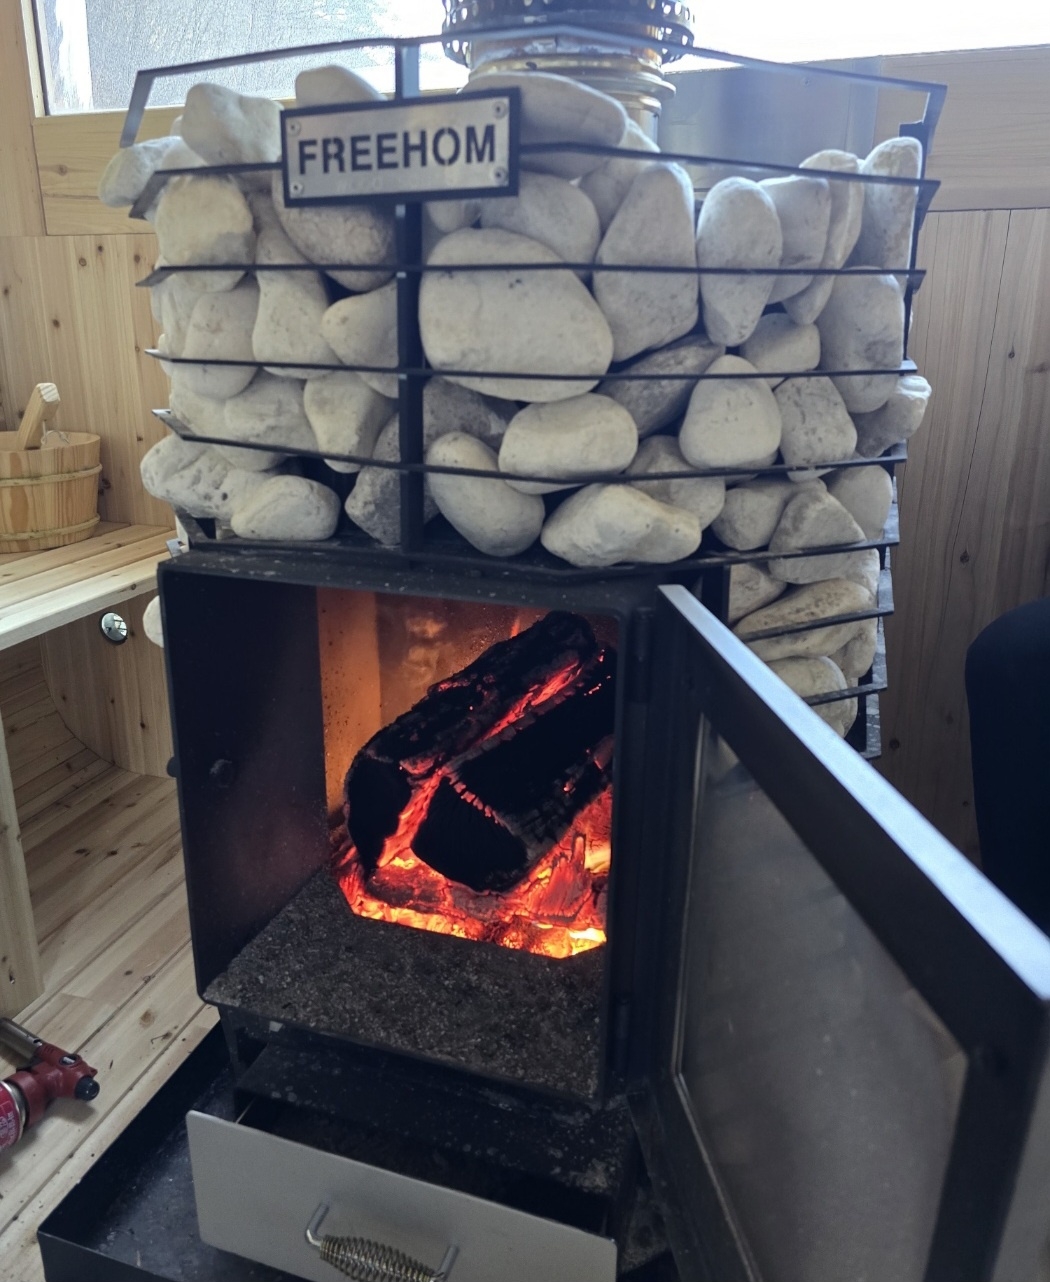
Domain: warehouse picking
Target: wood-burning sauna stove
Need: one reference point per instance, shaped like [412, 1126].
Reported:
[549, 930]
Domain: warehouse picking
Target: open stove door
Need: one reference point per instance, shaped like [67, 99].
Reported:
[847, 1076]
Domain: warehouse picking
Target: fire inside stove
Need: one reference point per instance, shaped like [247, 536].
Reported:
[484, 809]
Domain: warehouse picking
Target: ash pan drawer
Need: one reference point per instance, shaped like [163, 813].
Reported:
[256, 1193]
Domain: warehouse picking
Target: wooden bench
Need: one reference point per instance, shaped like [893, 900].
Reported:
[40, 591]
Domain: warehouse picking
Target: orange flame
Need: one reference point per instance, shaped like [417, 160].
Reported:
[557, 910]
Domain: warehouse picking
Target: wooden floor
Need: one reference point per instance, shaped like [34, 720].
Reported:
[104, 862]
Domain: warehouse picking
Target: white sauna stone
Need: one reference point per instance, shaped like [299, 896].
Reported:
[804, 605]
[704, 496]
[152, 623]
[204, 221]
[856, 657]
[752, 512]
[195, 478]
[657, 403]
[320, 85]
[270, 412]
[804, 208]
[751, 587]
[288, 509]
[507, 322]
[491, 515]
[602, 525]
[889, 209]
[173, 301]
[362, 330]
[732, 422]
[813, 519]
[228, 128]
[447, 407]
[819, 676]
[866, 493]
[374, 503]
[777, 345]
[291, 305]
[357, 234]
[738, 227]
[654, 226]
[866, 569]
[453, 215]
[862, 327]
[556, 109]
[128, 172]
[551, 211]
[589, 433]
[346, 415]
[847, 206]
[220, 328]
[816, 426]
[610, 182]
[896, 421]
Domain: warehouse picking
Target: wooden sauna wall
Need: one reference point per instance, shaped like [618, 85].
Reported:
[975, 497]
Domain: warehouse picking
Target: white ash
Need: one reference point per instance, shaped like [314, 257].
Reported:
[603, 525]
[862, 328]
[346, 416]
[491, 515]
[657, 403]
[898, 420]
[588, 433]
[804, 209]
[731, 422]
[654, 226]
[362, 330]
[738, 227]
[507, 322]
[704, 496]
[288, 509]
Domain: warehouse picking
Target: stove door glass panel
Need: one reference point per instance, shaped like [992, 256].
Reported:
[825, 1087]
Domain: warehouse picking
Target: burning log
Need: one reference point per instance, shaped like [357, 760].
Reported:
[497, 760]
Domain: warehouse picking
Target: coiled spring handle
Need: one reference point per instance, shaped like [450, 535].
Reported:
[363, 1260]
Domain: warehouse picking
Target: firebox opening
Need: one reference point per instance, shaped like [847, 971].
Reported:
[468, 762]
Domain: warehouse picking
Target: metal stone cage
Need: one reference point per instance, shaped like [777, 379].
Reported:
[436, 543]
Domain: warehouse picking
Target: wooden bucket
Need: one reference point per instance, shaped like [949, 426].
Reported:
[48, 496]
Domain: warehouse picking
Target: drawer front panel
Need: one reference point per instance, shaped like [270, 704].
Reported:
[256, 1193]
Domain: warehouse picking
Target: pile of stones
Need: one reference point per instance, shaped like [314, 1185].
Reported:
[743, 370]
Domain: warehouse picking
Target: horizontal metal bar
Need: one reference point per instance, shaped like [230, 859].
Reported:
[811, 625]
[905, 367]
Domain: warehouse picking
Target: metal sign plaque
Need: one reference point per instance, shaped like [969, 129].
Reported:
[452, 146]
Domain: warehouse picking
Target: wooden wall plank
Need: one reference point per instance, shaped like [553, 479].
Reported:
[20, 975]
[21, 209]
[70, 313]
[975, 495]
[72, 153]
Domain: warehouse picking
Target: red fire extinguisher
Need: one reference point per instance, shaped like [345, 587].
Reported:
[50, 1073]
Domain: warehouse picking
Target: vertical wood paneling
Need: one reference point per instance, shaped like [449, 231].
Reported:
[70, 313]
[21, 209]
[975, 496]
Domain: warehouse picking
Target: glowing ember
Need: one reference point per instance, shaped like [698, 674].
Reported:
[556, 905]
